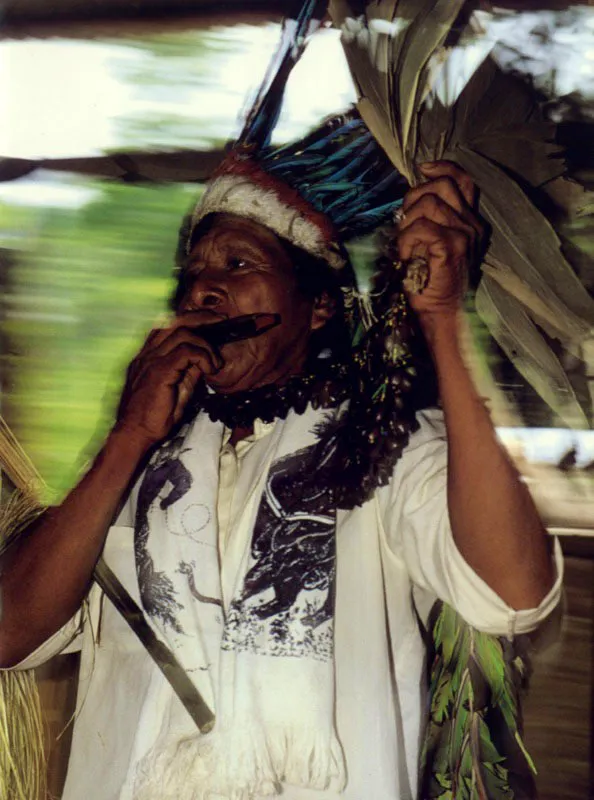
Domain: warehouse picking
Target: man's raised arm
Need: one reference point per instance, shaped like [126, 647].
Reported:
[494, 521]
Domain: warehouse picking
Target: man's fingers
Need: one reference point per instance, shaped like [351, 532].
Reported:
[431, 207]
[426, 238]
[168, 365]
[154, 339]
[183, 335]
[161, 343]
[445, 188]
[186, 387]
[435, 170]
[189, 320]
[183, 356]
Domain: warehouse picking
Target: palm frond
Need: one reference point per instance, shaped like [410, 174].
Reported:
[22, 754]
[16, 463]
[490, 124]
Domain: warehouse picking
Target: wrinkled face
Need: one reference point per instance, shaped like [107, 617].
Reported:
[240, 267]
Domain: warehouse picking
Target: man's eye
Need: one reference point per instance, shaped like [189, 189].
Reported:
[236, 263]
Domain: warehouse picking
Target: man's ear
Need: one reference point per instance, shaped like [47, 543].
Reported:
[324, 308]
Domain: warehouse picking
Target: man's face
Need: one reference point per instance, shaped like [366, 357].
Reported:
[240, 267]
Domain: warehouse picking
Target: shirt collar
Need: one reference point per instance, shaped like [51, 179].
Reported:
[261, 429]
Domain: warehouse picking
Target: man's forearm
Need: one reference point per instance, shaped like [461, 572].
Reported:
[45, 577]
[494, 521]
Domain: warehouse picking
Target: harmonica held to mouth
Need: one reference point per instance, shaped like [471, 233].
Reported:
[235, 329]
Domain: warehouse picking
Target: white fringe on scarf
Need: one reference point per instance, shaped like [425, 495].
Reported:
[200, 768]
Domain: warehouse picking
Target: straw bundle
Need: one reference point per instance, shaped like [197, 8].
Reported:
[22, 745]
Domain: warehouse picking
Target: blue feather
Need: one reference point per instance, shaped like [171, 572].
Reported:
[338, 168]
[263, 116]
[300, 160]
[376, 215]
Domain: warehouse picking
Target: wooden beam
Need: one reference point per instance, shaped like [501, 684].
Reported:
[196, 165]
[184, 166]
[116, 18]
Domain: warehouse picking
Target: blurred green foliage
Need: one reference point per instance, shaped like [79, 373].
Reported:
[82, 289]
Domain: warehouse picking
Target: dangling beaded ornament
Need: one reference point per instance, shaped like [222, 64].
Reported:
[390, 383]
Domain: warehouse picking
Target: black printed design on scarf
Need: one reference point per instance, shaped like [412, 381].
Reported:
[156, 588]
[286, 606]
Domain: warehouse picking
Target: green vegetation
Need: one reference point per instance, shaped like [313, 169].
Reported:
[82, 289]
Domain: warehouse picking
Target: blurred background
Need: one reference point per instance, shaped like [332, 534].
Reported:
[112, 115]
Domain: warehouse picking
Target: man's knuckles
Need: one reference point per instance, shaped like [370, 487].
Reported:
[448, 170]
[429, 230]
[434, 208]
[444, 187]
[429, 240]
[182, 356]
[183, 338]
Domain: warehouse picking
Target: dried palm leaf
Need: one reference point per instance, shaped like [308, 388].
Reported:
[15, 463]
[22, 753]
[421, 105]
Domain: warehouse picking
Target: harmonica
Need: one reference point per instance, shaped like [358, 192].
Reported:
[235, 329]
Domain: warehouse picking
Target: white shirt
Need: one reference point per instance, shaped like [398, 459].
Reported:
[394, 553]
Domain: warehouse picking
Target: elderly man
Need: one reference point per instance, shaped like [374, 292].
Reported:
[292, 613]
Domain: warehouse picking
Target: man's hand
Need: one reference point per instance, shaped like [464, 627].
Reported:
[163, 376]
[440, 224]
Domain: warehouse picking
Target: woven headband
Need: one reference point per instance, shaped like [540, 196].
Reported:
[242, 187]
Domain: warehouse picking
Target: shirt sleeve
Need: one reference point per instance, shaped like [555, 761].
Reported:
[66, 640]
[417, 529]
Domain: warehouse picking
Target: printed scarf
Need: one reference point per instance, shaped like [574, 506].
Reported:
[259, 643]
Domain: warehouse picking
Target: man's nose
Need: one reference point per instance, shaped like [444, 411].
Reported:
[203, 294]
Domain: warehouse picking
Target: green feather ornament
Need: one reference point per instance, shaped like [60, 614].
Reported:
[473, 749]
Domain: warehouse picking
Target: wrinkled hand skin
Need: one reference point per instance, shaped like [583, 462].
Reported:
[441, 224]
[162, 378]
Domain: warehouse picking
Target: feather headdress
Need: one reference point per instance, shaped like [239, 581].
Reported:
[319, 192]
